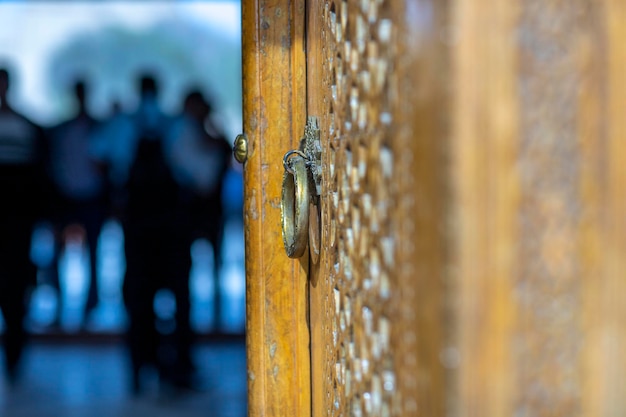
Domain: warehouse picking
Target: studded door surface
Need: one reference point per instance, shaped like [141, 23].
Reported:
[470, 207]
[368, 86]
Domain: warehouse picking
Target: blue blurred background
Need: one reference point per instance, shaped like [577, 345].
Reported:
[189, 43]
[47, 44]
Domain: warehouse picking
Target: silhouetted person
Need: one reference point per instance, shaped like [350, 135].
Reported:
[114, 142]
[81, 190]
[22, 193]
[153, 211]
[156, 249]
[202, 157]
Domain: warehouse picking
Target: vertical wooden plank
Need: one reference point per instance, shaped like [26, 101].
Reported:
[422, 321]
[614, 307]
[319, 290]
[614, 315]
[593, 188]
[548, 298]
[605, 310]
[538, 207]
[276, 287]
[486, 191]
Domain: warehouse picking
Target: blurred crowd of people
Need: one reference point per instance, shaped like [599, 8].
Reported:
[160, 176]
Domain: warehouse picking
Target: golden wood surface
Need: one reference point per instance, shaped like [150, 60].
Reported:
[276, 286]
[423, 323]
[485, 197]
[319, 302]
[602, 135]
[473, 208]
[538, 208]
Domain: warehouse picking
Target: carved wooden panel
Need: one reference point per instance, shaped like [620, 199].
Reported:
[358, 265]
[472, 208]
[377, 305]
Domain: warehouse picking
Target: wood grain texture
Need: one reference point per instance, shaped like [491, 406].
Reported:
[538, 208]
[602, 130]
[276, 286]
[473, 208]
[320, 299]
[612, 317]
[485, 183]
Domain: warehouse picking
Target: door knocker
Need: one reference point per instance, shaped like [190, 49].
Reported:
[295, 203]
[300, 194]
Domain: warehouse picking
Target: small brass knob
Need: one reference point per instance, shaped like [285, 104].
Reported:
[240, 148]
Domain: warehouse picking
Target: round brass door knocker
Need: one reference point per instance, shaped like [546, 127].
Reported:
[294, 204]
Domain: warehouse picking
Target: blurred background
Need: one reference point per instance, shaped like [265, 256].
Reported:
[189, 43]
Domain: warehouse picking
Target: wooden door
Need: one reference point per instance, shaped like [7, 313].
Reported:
[472, 208]
[377, 76]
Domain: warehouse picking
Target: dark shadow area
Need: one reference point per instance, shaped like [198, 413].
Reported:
[123, 269]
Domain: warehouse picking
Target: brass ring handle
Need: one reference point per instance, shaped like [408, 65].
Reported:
[288, 155]
[294, 205]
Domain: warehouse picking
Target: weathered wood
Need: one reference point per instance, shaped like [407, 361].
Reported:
[377, 294]
[473, 207]
[319, 303]
[276, 286]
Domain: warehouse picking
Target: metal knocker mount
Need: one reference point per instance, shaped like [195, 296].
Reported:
[302, 183]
